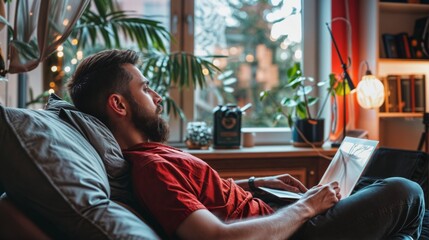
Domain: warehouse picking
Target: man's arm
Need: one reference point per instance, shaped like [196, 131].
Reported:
[284, 182]
[202, 224]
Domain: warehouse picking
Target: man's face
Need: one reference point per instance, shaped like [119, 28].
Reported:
[146, 107]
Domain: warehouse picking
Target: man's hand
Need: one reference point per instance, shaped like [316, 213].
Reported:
[322, 197]
[283, 182]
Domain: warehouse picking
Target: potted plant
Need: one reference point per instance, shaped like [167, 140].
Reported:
[198, 135]
[296, 107]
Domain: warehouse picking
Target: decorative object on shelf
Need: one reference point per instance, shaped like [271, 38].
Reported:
[227, 125]
[248, 139]
[421, 36]
[370, 91]
[346, 79]
[198, 135]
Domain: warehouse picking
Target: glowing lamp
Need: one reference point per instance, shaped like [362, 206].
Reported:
[370, 91]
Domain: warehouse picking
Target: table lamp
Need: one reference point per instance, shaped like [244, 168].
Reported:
[370, 91]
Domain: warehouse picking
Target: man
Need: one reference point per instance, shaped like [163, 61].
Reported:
[187, 199]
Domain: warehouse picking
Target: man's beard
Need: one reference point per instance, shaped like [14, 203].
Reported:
[151, 125]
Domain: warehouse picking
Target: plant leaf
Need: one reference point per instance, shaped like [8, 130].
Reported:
[229, 81]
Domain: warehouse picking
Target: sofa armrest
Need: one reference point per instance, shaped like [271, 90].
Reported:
[14, 224]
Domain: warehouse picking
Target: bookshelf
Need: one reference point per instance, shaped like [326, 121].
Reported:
[393, 129]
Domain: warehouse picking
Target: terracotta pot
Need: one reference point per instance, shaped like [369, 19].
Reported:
[311, 129]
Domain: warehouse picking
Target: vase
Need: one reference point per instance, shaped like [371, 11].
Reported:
[308, 132]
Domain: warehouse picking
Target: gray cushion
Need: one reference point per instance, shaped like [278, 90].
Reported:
[100, 137]
[51, 170]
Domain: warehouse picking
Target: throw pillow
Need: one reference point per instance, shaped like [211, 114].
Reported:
[103, 141]
[51, 171]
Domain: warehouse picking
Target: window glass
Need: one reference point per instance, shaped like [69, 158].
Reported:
[260, 39]
[158, 10]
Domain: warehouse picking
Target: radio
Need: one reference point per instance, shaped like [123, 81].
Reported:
[227, 126]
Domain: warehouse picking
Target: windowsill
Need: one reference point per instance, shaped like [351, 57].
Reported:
[263, 151]
[262, 137]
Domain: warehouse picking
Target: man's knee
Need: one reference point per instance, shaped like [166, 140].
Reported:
[403, 189]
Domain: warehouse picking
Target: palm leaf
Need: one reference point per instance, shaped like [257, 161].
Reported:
[108, 22]
[173, 108]
[180, 69]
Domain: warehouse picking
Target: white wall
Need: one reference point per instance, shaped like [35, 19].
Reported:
[317, 47]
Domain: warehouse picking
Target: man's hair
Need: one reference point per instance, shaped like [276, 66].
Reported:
[98, 76]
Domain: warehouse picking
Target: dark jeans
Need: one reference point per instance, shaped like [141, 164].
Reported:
[392, 208]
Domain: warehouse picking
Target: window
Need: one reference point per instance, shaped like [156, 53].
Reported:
[261, 40]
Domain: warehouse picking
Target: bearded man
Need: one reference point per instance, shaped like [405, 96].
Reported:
[185, 198]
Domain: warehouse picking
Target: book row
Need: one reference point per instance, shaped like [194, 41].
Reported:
[404, 93]
[403, 45]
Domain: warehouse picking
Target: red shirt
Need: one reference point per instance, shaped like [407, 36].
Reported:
[171, 184]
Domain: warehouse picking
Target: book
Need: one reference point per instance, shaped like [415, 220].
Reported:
[384, 107]
[413, 93]
[392, 94]
[390, 46]
[405, 90]
[419, 92]
[403, 45]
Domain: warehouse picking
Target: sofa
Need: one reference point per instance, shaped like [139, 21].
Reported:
[65, 177]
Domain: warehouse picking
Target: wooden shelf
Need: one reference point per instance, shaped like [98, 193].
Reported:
[402, 60]
[399, 115]
[403, 7]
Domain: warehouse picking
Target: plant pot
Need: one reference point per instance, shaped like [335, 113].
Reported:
[312, 130]
[191, 145]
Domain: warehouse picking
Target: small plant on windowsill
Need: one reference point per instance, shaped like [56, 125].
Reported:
[307, 128]
[198, 135]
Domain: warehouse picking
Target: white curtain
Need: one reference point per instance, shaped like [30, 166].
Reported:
[40, 26]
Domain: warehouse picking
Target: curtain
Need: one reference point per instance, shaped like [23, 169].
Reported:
[40, 26]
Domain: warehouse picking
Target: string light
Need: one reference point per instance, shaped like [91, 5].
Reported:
[250, 58]
[79, 55]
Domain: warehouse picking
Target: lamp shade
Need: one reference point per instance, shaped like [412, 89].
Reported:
[370, 92]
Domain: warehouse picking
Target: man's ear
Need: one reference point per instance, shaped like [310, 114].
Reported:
[116, 103]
